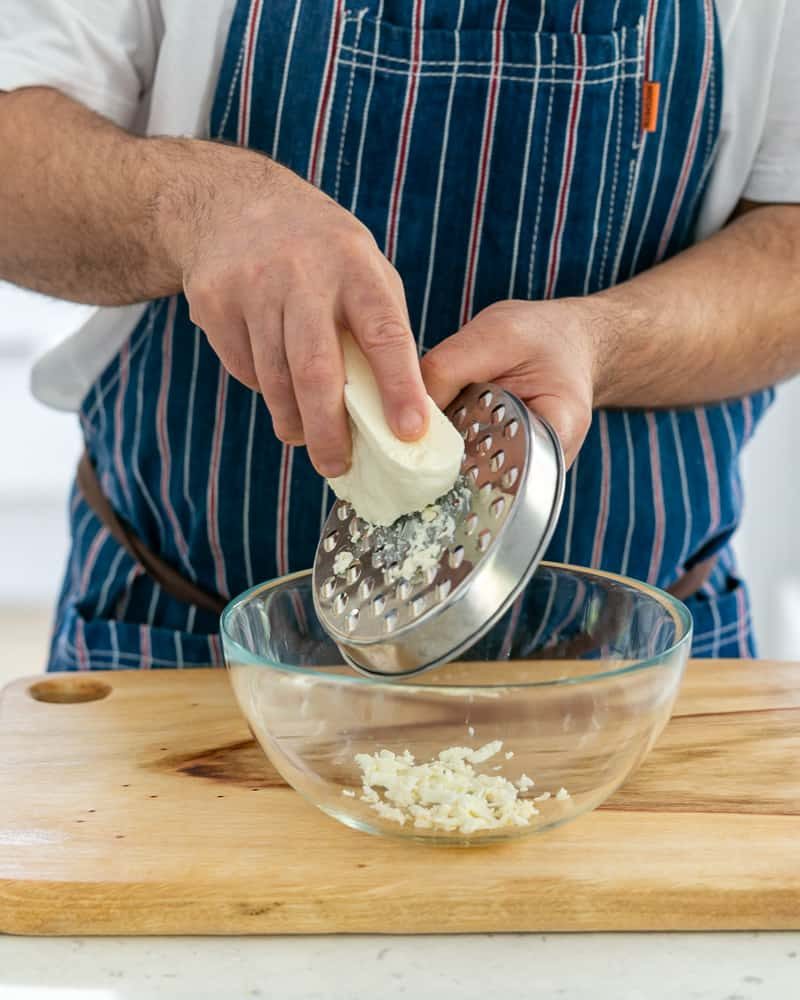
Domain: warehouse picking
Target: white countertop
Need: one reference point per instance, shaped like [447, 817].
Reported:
[744, 966]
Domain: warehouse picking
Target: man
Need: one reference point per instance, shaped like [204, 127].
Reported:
[592, 204]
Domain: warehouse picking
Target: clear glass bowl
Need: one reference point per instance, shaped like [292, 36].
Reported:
[577, 680]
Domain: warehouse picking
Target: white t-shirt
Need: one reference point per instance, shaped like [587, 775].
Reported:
[152, 65]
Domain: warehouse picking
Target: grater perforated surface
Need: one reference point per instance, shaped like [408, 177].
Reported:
[378, 590]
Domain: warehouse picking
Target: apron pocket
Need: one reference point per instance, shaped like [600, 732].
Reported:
[722, 625]
[84, 643]
[111, 615]
[446, 141]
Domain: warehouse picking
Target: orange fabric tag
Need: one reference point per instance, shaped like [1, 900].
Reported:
[650, 93]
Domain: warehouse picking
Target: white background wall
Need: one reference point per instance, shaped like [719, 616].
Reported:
[39, 448]
[769, 540]
[38, 451]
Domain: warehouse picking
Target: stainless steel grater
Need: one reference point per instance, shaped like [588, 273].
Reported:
[406, 598]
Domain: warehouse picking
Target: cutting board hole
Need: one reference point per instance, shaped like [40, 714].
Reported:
[69, 690]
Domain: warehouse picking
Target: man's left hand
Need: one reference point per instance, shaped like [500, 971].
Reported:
[544, 352]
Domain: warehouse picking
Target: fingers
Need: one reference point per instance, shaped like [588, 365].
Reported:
[502, 346]
[227, 332]
[471, 355]
[570, 419]
[274, 376]
[297, 268]
[374, 310]
[315, 363]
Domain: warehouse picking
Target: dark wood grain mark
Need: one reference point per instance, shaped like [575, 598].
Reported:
[242, 764]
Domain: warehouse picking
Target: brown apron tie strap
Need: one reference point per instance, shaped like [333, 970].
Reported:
[693, 579]
[613, 620]
[168, 578]
[177, 586]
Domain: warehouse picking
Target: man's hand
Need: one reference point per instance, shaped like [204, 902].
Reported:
[544, 352]
[273, 269]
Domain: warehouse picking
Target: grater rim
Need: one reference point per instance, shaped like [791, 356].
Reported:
[511, 490]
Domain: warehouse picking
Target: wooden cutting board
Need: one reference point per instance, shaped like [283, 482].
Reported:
[151, 811]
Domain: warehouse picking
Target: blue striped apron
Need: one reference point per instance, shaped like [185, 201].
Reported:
[495, 150]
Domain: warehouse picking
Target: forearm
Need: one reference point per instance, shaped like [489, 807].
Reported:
[92, 213]
[719, 320]
[271, 267]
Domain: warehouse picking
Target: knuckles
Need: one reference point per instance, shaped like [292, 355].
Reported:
[208, 297]
[312, 371]
[354, 236]
[435, 369]
[504, 318]
[289, 435]
[237, 360]
[245, 376]
[276, 380]
[582, 423]
[381, 333]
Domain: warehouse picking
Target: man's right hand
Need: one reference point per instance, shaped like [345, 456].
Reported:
[273, 269]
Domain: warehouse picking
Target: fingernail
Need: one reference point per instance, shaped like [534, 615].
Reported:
[332, 470]
[410, 423]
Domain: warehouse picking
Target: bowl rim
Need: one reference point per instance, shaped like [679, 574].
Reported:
[679, 610]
